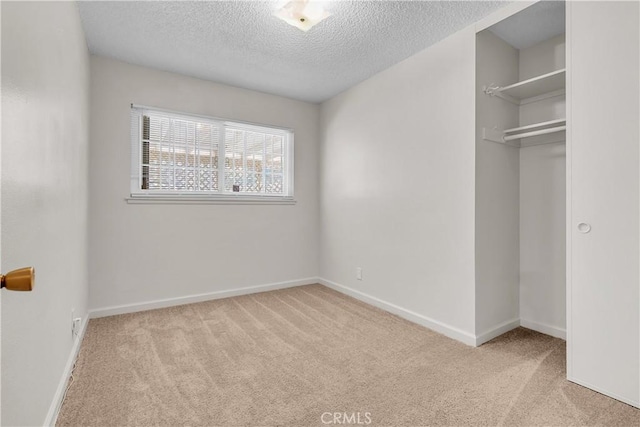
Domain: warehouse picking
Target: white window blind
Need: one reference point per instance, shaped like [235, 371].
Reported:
[180, 155]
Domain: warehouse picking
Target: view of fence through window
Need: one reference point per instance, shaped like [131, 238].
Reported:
[184, 155]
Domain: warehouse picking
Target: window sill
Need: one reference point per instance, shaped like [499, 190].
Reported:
[208, 200]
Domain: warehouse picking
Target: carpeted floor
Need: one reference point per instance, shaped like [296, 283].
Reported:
[287, 357]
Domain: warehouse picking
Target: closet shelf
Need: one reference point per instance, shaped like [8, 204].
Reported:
[535, 126]
[531, 90]
[534, 133]
[513, 135]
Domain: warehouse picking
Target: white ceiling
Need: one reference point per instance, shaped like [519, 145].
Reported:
[542, 21]
[240, 43]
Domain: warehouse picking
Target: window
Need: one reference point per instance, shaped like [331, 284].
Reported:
[183, 157]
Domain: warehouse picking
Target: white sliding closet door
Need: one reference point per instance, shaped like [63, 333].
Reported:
[604, 193]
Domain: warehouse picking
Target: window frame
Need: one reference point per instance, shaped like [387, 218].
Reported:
[139, 195]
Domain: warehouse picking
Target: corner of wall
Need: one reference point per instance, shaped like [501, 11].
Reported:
[435, 325]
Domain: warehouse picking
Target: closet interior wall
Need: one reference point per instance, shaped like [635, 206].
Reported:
[520, 192]
[543, 200]
[497, 240]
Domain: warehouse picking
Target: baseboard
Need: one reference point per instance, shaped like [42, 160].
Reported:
[606, 393]
[56, 403]
[543, 328]
[437, 326]
[189, 299]
[497, 331]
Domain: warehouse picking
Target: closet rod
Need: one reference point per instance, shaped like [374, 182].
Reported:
[535, 133]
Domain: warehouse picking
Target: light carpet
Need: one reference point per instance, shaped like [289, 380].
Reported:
[286, 357]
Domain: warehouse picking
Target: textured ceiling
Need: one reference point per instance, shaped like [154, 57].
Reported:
[533, 25]
[240, 43]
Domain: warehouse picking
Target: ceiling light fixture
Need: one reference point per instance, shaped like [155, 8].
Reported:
[302, 14]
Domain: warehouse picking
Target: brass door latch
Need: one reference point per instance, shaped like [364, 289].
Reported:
[18, 280]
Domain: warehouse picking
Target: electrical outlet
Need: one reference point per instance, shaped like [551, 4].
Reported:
[75, 323]
[359, 273]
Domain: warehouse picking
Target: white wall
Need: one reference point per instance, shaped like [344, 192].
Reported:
[140, 253]
[397, 192]
[497, 192]
[542, 238]
[543, 201]
[45, 100]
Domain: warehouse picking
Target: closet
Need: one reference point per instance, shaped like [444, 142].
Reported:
[521, 171]
[558, 184]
